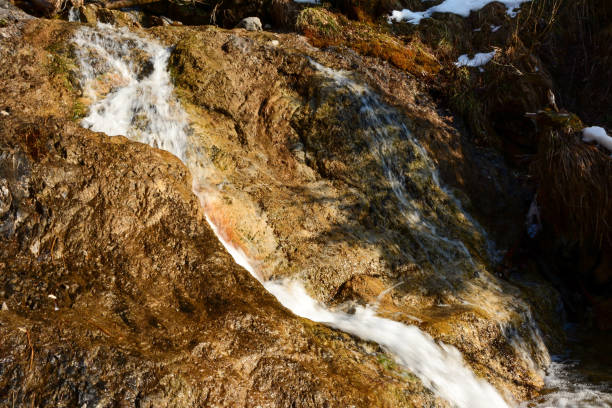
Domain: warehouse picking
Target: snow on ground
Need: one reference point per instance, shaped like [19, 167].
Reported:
[460, 7]
[479, 59]
[599, 135]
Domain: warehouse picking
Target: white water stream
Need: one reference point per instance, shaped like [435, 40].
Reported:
[126, 79]
[570, 390]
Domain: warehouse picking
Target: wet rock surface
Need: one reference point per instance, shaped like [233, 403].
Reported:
[117, 290]
[304, 193]
[108, 232]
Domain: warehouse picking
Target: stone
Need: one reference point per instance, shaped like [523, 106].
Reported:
[92, 13]
[5, 197]
[250, 24]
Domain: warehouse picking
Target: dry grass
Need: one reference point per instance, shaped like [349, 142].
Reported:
[575, 187]
[324, 28]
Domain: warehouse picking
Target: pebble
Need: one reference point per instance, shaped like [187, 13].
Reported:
[4, 307]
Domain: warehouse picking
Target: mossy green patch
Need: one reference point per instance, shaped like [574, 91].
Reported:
[62, 65]
[320, 21]
[79, 110]
[387, 362]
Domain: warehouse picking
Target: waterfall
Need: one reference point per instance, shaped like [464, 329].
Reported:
[125, 78]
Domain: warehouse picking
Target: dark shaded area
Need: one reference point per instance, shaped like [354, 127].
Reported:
[578, 53]
[552, 46]
[280, 14]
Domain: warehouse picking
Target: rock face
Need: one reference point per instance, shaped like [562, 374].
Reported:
[132, 297]
[118, 290]
[300, 187]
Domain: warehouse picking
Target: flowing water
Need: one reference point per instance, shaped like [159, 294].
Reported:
[73, 15]
[383, 128]
[414, 183]
[566, 388]
[126, 80]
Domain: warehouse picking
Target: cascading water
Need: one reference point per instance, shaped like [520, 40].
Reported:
[381, 124]
[131, 73]
[570, 390]
[125, 77]
[126, 80]
[73, 15]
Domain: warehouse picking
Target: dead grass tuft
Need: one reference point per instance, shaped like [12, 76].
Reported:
[575, 187]
[324, 28]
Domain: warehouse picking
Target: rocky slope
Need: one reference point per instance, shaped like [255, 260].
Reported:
[305, 192]
[320, 164]
[115, 289]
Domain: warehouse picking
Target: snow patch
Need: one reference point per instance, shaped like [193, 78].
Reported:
[480, 59]
[459, 7]
[599, 135]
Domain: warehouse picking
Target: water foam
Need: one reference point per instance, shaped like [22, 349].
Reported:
[138, 102]
[569, 390]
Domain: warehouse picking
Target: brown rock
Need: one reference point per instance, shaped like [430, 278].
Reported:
[151, 310]
[93, 14]
[305, 194]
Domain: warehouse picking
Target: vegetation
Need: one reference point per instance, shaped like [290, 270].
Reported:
[79, 110]
[575, 174]
[324, 28]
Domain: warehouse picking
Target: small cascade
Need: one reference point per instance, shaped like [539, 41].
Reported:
[439, 366]
[73, 15]
[383, 127]
[126, 79]
[569, 390]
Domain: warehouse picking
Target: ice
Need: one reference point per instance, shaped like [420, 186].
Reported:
[599, 135]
